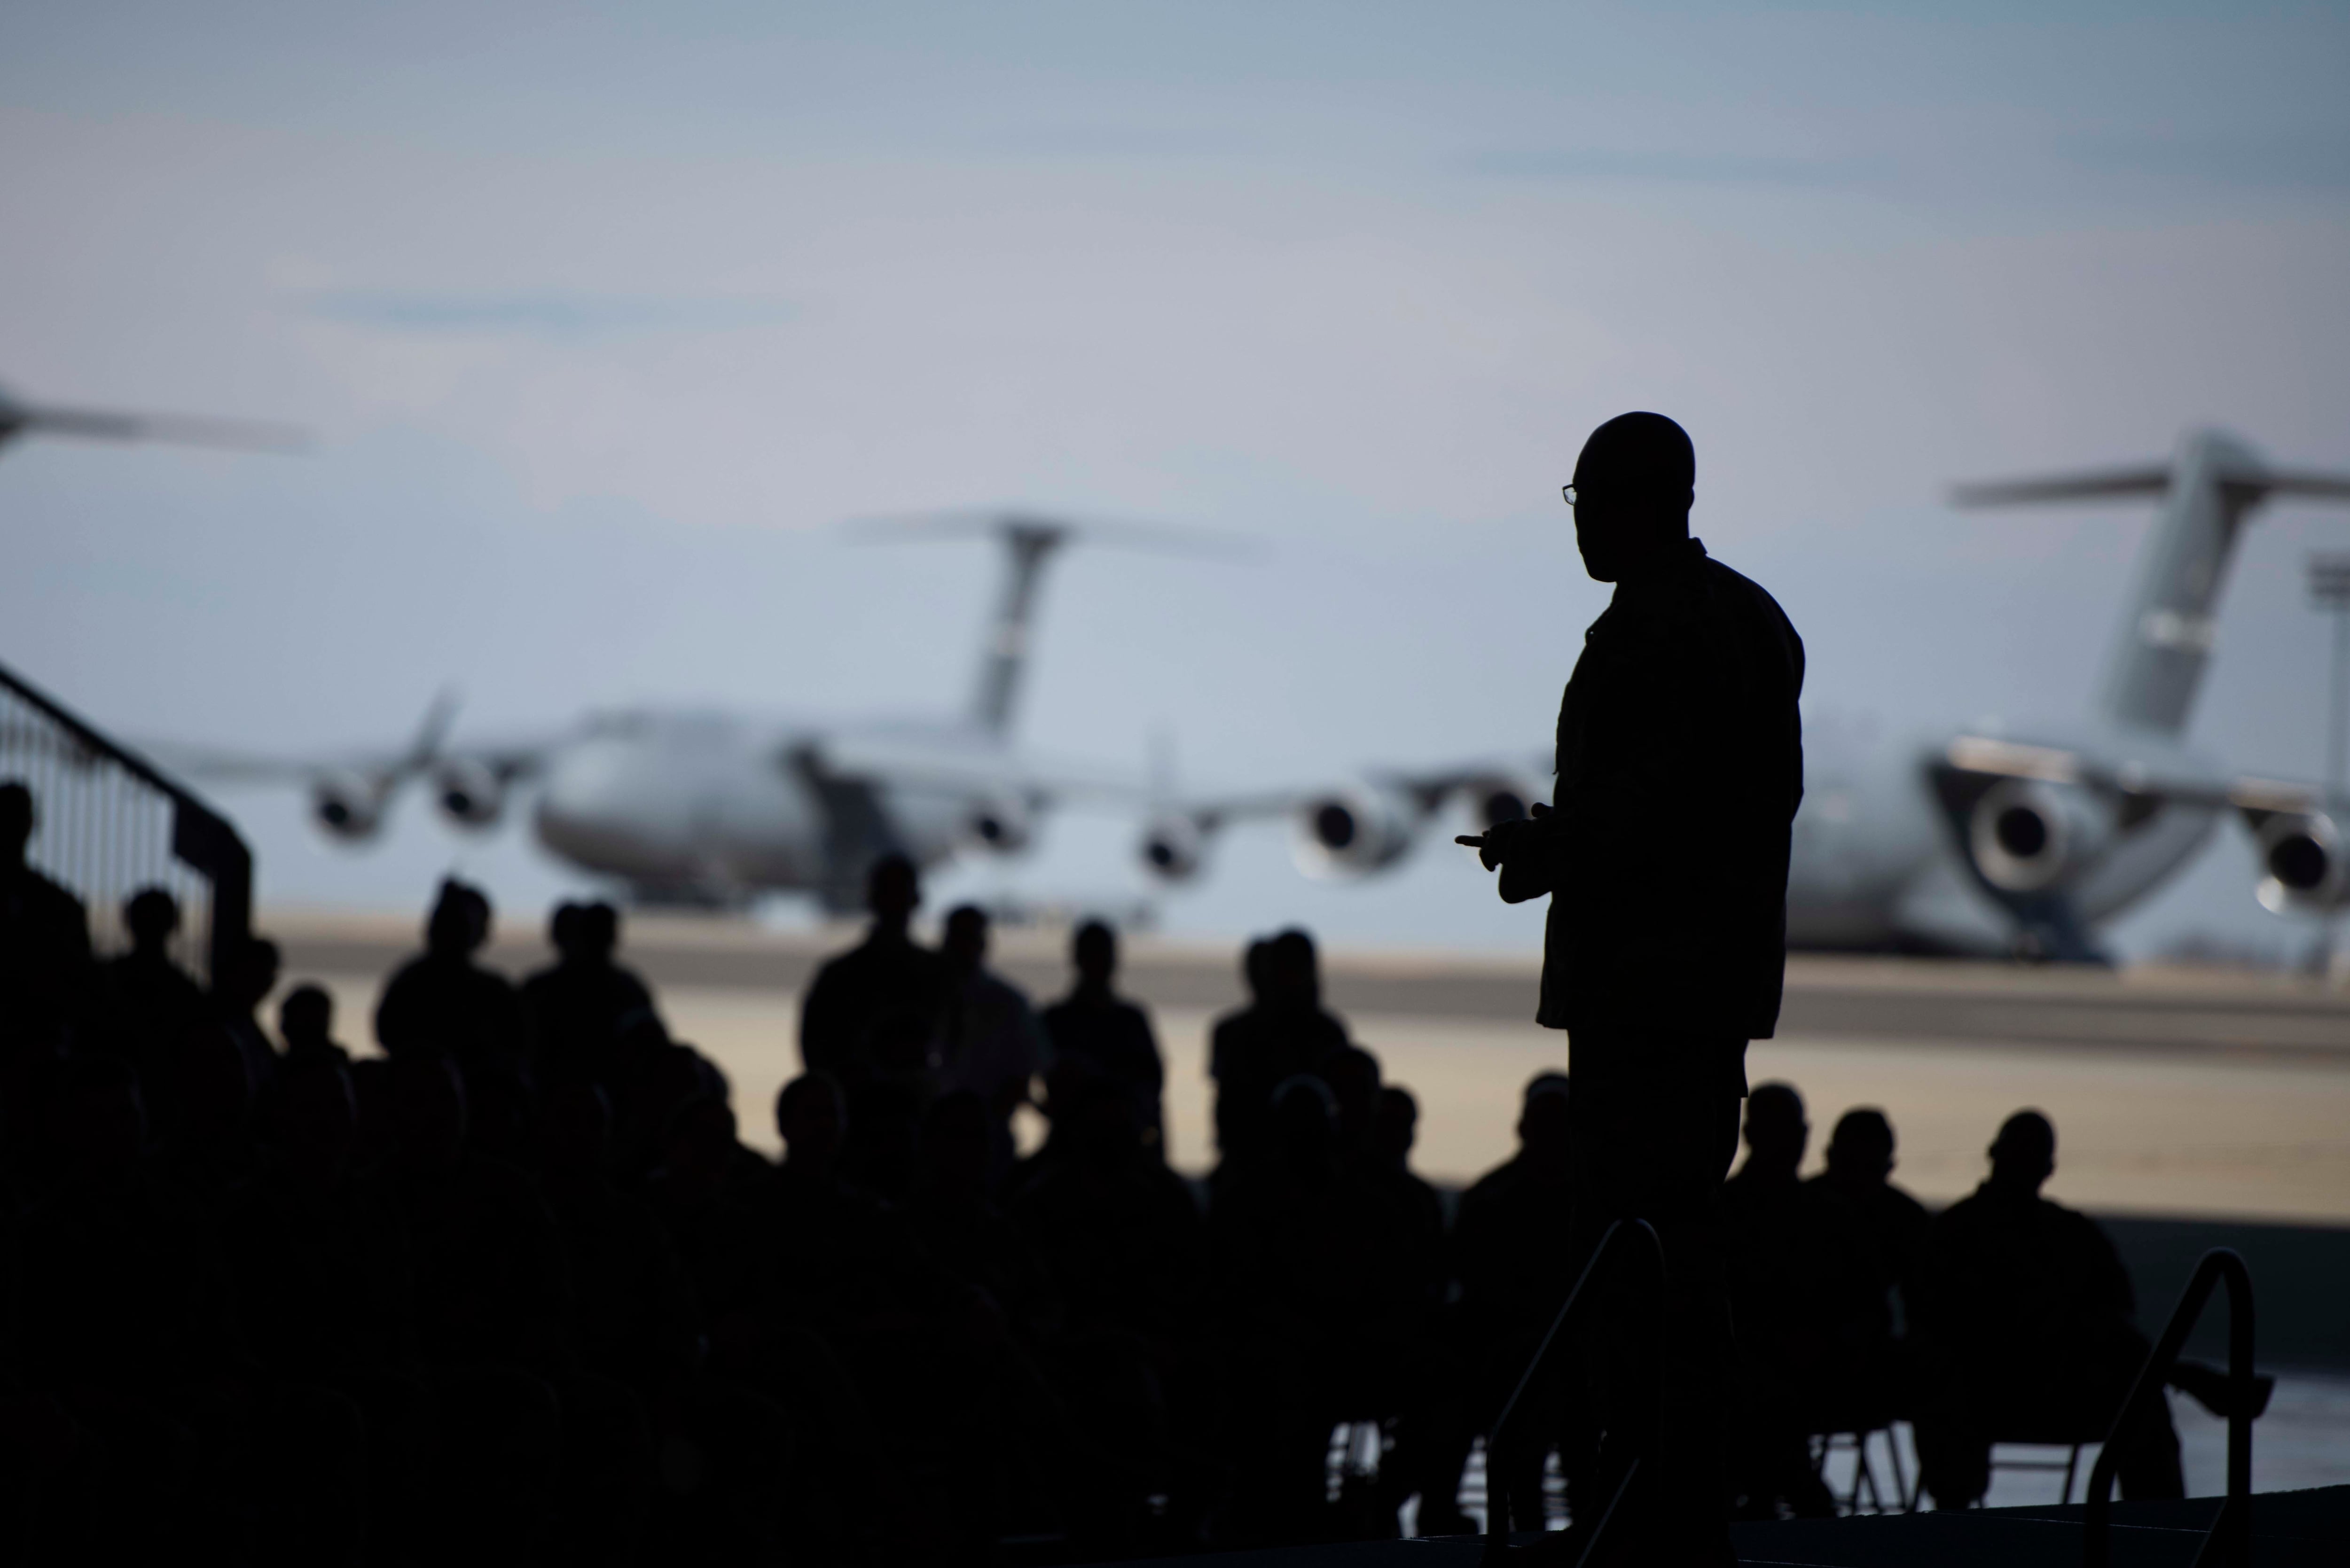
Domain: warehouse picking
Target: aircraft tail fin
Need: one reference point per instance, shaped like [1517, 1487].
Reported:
[1029, 541]
[2210, 487]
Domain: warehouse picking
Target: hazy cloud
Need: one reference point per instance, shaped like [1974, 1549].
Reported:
[549, 315]
[1674, 168]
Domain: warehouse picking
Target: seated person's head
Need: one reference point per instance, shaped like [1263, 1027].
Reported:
[151, 917]
[249, 976]
[1256, 969]
[1094, 952]
[600, 929]
[965, 944]
[1861, 1147]
[1395, 1123]
[306, 1019]
[812, 1119]
[2023, 1156]
[1293, 970]
[893, 891]
[563, 929]
[1542, 1119]
[460, 921]
[1775, 1130]
[1634, 484]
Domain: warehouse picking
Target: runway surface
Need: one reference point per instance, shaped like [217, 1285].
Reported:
[2175, 1093]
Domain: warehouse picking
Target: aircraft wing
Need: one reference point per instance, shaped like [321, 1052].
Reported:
[1348, 829]
[929, 763]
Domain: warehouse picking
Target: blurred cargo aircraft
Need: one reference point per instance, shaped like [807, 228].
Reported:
[1970, 839]
[706, 809]
[2016, 839]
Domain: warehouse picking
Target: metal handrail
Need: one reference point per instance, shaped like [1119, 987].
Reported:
[2230, 1539]
[1621, 1240]
[201, 837]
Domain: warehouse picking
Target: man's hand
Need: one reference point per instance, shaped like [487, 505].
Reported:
[1505, 841]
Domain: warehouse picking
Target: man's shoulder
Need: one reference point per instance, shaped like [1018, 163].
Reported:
[1724, 581]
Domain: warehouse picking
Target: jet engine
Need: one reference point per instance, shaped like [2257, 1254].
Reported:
[348, 806]
[1356, 832]
[1172, 848]
[469, 794]
[2028, 836]
[1500, 799]
[1001, 827]
[2301, 863]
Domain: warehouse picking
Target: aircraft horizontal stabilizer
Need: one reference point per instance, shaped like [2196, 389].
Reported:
[2152, 479]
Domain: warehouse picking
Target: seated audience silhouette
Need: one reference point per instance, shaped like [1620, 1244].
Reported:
[1787, 1248]
[2030, 1307]
[990, 1043]
[1514, 1278]
[45, 955]
[145, 1000]
[443, 1003]
[577, 1004]
[248, 974]
[887, 971]
[1891, 1224]
[1124, 1251]
[306, 1025]
[1108, 1035]
[1283, 1032]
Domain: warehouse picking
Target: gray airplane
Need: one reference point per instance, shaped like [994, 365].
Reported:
[707, 809]
[2020, 839]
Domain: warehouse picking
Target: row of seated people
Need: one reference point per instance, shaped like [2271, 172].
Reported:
[2005, 1317]
[516, 1287]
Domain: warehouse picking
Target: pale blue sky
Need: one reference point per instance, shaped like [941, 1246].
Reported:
[606, 316]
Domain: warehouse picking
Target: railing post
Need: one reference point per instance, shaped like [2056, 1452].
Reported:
[2229, 1541]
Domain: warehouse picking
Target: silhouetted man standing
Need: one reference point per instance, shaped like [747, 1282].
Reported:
[1679, 767]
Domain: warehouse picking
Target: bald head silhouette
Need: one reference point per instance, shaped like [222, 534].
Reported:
[2024, 1154]
[1634, 484]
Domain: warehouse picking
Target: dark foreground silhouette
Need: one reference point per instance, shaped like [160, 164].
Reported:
[515, 1291]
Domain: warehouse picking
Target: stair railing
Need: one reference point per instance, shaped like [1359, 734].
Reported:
[2229, 1544]
[111, 823]
[1629, 1244]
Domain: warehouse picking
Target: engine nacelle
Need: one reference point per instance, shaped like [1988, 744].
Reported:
[2028, 836]
[346, 807]
[1356, 832]
[1172, 848]
[1503, 797]
[2301, 867]
[469, 794]
[1001, 827]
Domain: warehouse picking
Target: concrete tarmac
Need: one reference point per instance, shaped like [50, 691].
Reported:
[2173, 1092]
